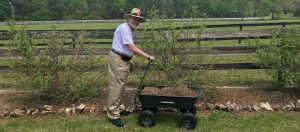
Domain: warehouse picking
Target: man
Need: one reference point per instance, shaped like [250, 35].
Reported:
[123, 48]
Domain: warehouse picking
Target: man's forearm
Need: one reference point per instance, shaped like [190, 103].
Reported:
[138, 51]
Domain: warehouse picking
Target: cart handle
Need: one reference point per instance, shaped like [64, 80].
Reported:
[142, 80]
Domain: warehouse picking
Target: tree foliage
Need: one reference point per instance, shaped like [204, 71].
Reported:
[4, 9]
[282, 58]
[296, 8]
[107, 9]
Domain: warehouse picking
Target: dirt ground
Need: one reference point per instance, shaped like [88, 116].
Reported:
[251, 95]
[234, 95]
[4, 95]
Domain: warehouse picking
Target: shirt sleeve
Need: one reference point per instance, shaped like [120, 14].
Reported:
[126, 36]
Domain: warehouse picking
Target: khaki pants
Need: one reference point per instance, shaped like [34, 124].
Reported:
[118, 71]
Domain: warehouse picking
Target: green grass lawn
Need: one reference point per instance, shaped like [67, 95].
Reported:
[65, 26]
[217, 77]
[243, 58]
[142, 25]
[166, 122]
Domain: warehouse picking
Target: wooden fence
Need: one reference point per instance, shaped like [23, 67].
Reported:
[205, 36]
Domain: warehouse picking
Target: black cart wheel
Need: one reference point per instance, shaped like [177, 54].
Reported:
[187, 121]
[191, 110]
[153, 109]
[147, 118]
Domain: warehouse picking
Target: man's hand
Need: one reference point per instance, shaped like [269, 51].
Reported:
[150, 58]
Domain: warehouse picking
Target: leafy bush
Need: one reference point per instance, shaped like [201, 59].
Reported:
[282, 54]
[173, 62]
[47, 74]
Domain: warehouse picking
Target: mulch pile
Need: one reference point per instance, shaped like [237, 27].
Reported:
[169, 91]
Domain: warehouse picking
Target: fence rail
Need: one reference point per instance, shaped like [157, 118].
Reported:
[205, 36]
[122, 20]
[239, 25]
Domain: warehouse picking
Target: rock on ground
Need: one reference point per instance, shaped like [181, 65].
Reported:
[297, 105]
[256, 107]
[81, 107]
[266, 106]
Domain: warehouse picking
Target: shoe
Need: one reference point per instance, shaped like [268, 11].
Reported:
[117, 122]
[124, 113]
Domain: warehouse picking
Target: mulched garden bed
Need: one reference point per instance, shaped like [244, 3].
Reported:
[251, 95]
[237, 96]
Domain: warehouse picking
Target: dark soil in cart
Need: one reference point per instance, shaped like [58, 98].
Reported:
[183, 99]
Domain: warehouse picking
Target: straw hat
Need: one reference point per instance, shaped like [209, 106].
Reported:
[136, 12]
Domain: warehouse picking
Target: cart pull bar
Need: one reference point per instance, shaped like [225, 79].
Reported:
[146, 70]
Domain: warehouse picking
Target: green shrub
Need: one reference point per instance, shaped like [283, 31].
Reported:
[172, 58]
[46, 74]
[282, 54]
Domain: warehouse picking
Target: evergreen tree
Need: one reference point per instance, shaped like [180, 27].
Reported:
[4, 9]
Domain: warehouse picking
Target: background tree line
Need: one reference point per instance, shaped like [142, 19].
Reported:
[115, 9]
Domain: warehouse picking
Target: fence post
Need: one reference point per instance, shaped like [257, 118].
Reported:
[73, 42]
[240, 40]
[30, 41]
[280, 79]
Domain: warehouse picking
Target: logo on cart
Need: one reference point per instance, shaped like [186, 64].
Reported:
[167, 102]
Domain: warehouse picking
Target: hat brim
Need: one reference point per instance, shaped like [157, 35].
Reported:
[141, 19]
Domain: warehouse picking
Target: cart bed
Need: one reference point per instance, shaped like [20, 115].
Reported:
[154, 101]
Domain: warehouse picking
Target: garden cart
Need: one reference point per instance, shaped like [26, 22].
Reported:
[151, 103]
